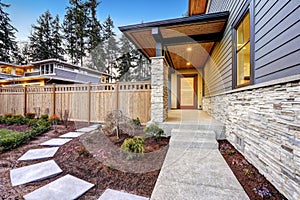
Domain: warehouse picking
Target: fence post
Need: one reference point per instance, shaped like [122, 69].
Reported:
[117, 95]
[53, 99]
[25, 100]
[89, 103]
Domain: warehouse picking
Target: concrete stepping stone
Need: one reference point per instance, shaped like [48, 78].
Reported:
[110, 194]
[34, 172]
[72, 135]
[36, 154]
[56, 142]
[65, 188]
[86, 129]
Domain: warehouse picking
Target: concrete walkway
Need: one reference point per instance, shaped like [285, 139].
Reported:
[195, 169]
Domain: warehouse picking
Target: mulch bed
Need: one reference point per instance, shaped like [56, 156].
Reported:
[254, 183]
[74, 159]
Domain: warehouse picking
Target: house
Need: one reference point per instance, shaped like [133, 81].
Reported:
[238, 60]
[47, 72]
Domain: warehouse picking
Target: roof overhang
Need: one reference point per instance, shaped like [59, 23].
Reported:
[197, 7]
[185, 42]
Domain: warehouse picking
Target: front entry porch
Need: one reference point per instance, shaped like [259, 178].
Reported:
[192, 120]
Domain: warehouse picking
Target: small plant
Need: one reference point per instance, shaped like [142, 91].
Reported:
[248, 172]
[262, 191]
[44, 117]
[134, 145]
[136, 122]
[230, 152]
[54, 119]
[29, 115]
[155, 131]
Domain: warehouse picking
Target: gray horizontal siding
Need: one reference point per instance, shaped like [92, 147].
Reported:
[218, 72]
[277, 39]
[75, 76]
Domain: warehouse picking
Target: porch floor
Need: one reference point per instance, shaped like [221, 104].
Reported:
[192, 120]
[190, 116]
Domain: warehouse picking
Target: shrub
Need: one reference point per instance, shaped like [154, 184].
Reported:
[230, 152]
[54, 119]
[136, 122]
[30, 115]
[155, 131]
[134, 145]
[11, 139]
[44, 116]
[15, 119]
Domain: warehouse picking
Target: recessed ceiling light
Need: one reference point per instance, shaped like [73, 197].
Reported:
[189, 49]
[188, 63]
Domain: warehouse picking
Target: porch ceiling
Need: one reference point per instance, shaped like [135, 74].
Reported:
[186, 42]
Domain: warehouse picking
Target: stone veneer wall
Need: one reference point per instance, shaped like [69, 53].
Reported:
[263, 122]
[159, 89]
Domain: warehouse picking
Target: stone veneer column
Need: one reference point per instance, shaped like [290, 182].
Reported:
[159, 89]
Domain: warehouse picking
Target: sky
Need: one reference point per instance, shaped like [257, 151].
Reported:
[24, 13]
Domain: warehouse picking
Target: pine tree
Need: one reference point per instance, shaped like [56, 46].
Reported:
[57, 48]
[41, 43]
[125, 60]
[110, 46]
[94, 26]
[8, 45]
[75, 30]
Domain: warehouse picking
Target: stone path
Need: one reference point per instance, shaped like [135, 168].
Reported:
[72, 135]
[65, 188]
[56, 142]
[195, 169]
[37, 154]
[34, 172]
[110, 194]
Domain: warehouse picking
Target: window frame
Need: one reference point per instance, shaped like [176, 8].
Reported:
[247, 8]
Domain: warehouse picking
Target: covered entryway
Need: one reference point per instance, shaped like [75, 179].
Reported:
[178, 49]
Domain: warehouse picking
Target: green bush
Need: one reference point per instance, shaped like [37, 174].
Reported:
[15, 119]
[44, 116]
[30, 115]
[11, 139]
[154, 130]
[136, 122]
[134, 145]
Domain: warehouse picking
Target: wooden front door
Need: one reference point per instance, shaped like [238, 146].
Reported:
[187, 92]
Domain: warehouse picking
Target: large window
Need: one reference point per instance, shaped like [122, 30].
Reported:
[242, 52]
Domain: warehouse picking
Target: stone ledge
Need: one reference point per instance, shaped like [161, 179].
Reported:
[261, 85]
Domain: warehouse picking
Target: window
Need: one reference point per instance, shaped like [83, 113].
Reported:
[47, 69]
[242, 67]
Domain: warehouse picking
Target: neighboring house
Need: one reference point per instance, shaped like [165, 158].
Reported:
[239, 61]
[47, 72]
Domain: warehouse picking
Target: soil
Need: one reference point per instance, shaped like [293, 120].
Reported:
[254, 183]
[73, 158]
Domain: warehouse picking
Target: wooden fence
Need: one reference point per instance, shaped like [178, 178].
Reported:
[85, 102]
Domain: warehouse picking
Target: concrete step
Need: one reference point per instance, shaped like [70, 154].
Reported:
[110, 194]
[193, 134]
[218, 128]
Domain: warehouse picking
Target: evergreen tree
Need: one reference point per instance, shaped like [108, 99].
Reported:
[75, 30]
[125, 60]
[94, 26]
[8, 45]
[57, 49]
[41, 43]
[110, 46]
